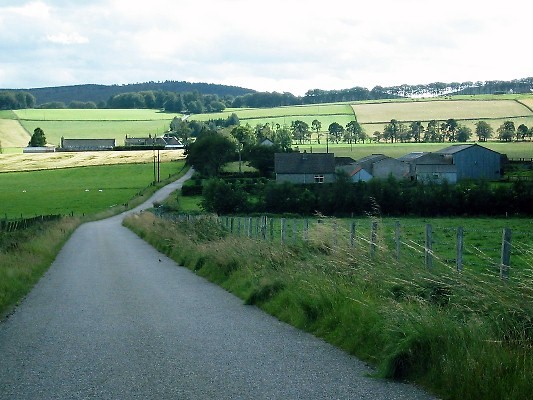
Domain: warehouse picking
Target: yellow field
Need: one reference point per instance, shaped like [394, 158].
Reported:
[32, 162]
[12, 134]
[439, 110]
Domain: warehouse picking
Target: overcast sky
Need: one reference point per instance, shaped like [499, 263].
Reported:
[275, 45]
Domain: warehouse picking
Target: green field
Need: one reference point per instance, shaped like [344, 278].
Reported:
[513, 150]
[86, 190]
[102, 124]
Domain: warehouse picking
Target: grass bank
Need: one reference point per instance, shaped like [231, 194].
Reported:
[461, 336]
[26, 254]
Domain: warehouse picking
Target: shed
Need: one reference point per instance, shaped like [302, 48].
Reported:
[304, 167]
[381, 166]
[425, 166]
[474, 161]
[87, 144]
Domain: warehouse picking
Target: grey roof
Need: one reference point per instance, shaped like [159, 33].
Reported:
[304, 163]
[456, 148]
[339, 161]
[412, 156]
[372, 158]
[88, 142]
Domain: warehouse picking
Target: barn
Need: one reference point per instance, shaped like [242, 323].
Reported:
[474, 161]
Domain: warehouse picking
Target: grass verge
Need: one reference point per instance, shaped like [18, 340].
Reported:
[461, 336]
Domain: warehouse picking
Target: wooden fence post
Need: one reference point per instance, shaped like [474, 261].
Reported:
[283, 230]
[373, 238]
[397, 239]
[506, 254]
[428, 249]
[294, 230]
[306, 229]
[231, 223]
[460, 246]
[264, 222]
[352, 234]
[250, 223]
[272, 229]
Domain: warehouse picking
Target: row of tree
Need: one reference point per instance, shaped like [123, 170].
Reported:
[15, 100]
[382, 197]
[213, 98]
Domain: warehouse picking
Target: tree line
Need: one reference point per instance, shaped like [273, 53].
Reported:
[388, 197]
[198, 98]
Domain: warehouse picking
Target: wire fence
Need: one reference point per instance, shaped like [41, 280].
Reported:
[24, 223]
[506, 252]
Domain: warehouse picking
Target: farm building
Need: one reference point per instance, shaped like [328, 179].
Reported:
[44, 149]
[454, 163]
[304, 167]
[425, 166]
[144, 141]
[87, 144]
[474, 161]
[381, 166]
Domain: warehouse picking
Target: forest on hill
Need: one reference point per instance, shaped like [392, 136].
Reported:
[205, 97]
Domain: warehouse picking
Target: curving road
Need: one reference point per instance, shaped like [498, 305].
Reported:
[111, 321]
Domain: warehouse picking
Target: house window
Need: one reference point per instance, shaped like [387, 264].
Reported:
[319, 178]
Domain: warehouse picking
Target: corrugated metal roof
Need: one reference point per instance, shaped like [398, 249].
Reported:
[304, 163]
[412, 156]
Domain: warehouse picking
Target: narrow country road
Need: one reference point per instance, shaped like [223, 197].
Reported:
[115, 319]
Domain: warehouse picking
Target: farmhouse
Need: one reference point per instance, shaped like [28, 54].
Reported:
[304, 167]
[87, 144]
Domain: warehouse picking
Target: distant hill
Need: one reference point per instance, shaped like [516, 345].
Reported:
[98, 93]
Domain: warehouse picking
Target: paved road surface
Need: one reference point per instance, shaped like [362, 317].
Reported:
[111, 321]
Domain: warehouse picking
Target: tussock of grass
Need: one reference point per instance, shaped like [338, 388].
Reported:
[26, 255]
[462, 336]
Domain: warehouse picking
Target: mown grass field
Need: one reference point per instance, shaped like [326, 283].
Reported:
[99, 123]
[81, 191]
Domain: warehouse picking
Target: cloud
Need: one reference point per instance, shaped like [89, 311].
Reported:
[67, 38]
[280, 45]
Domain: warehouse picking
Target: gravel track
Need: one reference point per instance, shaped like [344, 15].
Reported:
[115, 319]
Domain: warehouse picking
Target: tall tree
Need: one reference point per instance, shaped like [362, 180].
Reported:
[506, 131]
[521, 132]
[300, 131]
[354, 130]
[317, 125]
[38, 139]
[463, 133]
[210, 152]
[483, 131]
[336, 130]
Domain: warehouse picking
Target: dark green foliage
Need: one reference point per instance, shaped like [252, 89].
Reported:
[223, 198]
[209, 153]
[264, 291]
[38, 139]
[15, 100]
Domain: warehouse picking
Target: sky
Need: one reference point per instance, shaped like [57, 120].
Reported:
[275, 45]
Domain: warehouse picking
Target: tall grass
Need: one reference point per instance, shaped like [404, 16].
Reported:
[462, 336]
[25, 255]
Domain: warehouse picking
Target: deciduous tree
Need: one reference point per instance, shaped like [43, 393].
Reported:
[38, 139]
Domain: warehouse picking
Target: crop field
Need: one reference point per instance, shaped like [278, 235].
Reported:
[83, 190]
[42, 161]
[12, 134]
[84, 124]
[440, 110]
[325, 113]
